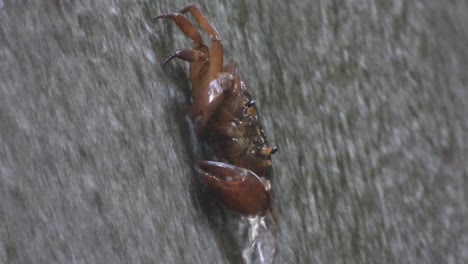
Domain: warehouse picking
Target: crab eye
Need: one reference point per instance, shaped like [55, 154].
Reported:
[249, 108]
[274, 150]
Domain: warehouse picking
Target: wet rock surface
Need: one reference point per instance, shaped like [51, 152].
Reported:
[366, 101]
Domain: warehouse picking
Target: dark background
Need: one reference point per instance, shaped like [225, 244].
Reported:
[366, 99]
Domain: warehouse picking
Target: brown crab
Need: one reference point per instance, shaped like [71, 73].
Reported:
[224, 114]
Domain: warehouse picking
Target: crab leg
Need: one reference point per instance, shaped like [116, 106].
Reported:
[187, 55]
[216, 49]
[198, 56]
[184, 24]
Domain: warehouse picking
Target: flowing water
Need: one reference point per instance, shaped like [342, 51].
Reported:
[366, 99]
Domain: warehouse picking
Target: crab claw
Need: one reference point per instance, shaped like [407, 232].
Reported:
[238, 189]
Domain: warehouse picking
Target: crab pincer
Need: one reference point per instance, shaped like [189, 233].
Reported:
[238, 189]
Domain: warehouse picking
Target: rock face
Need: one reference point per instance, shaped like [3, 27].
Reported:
[367, 104]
